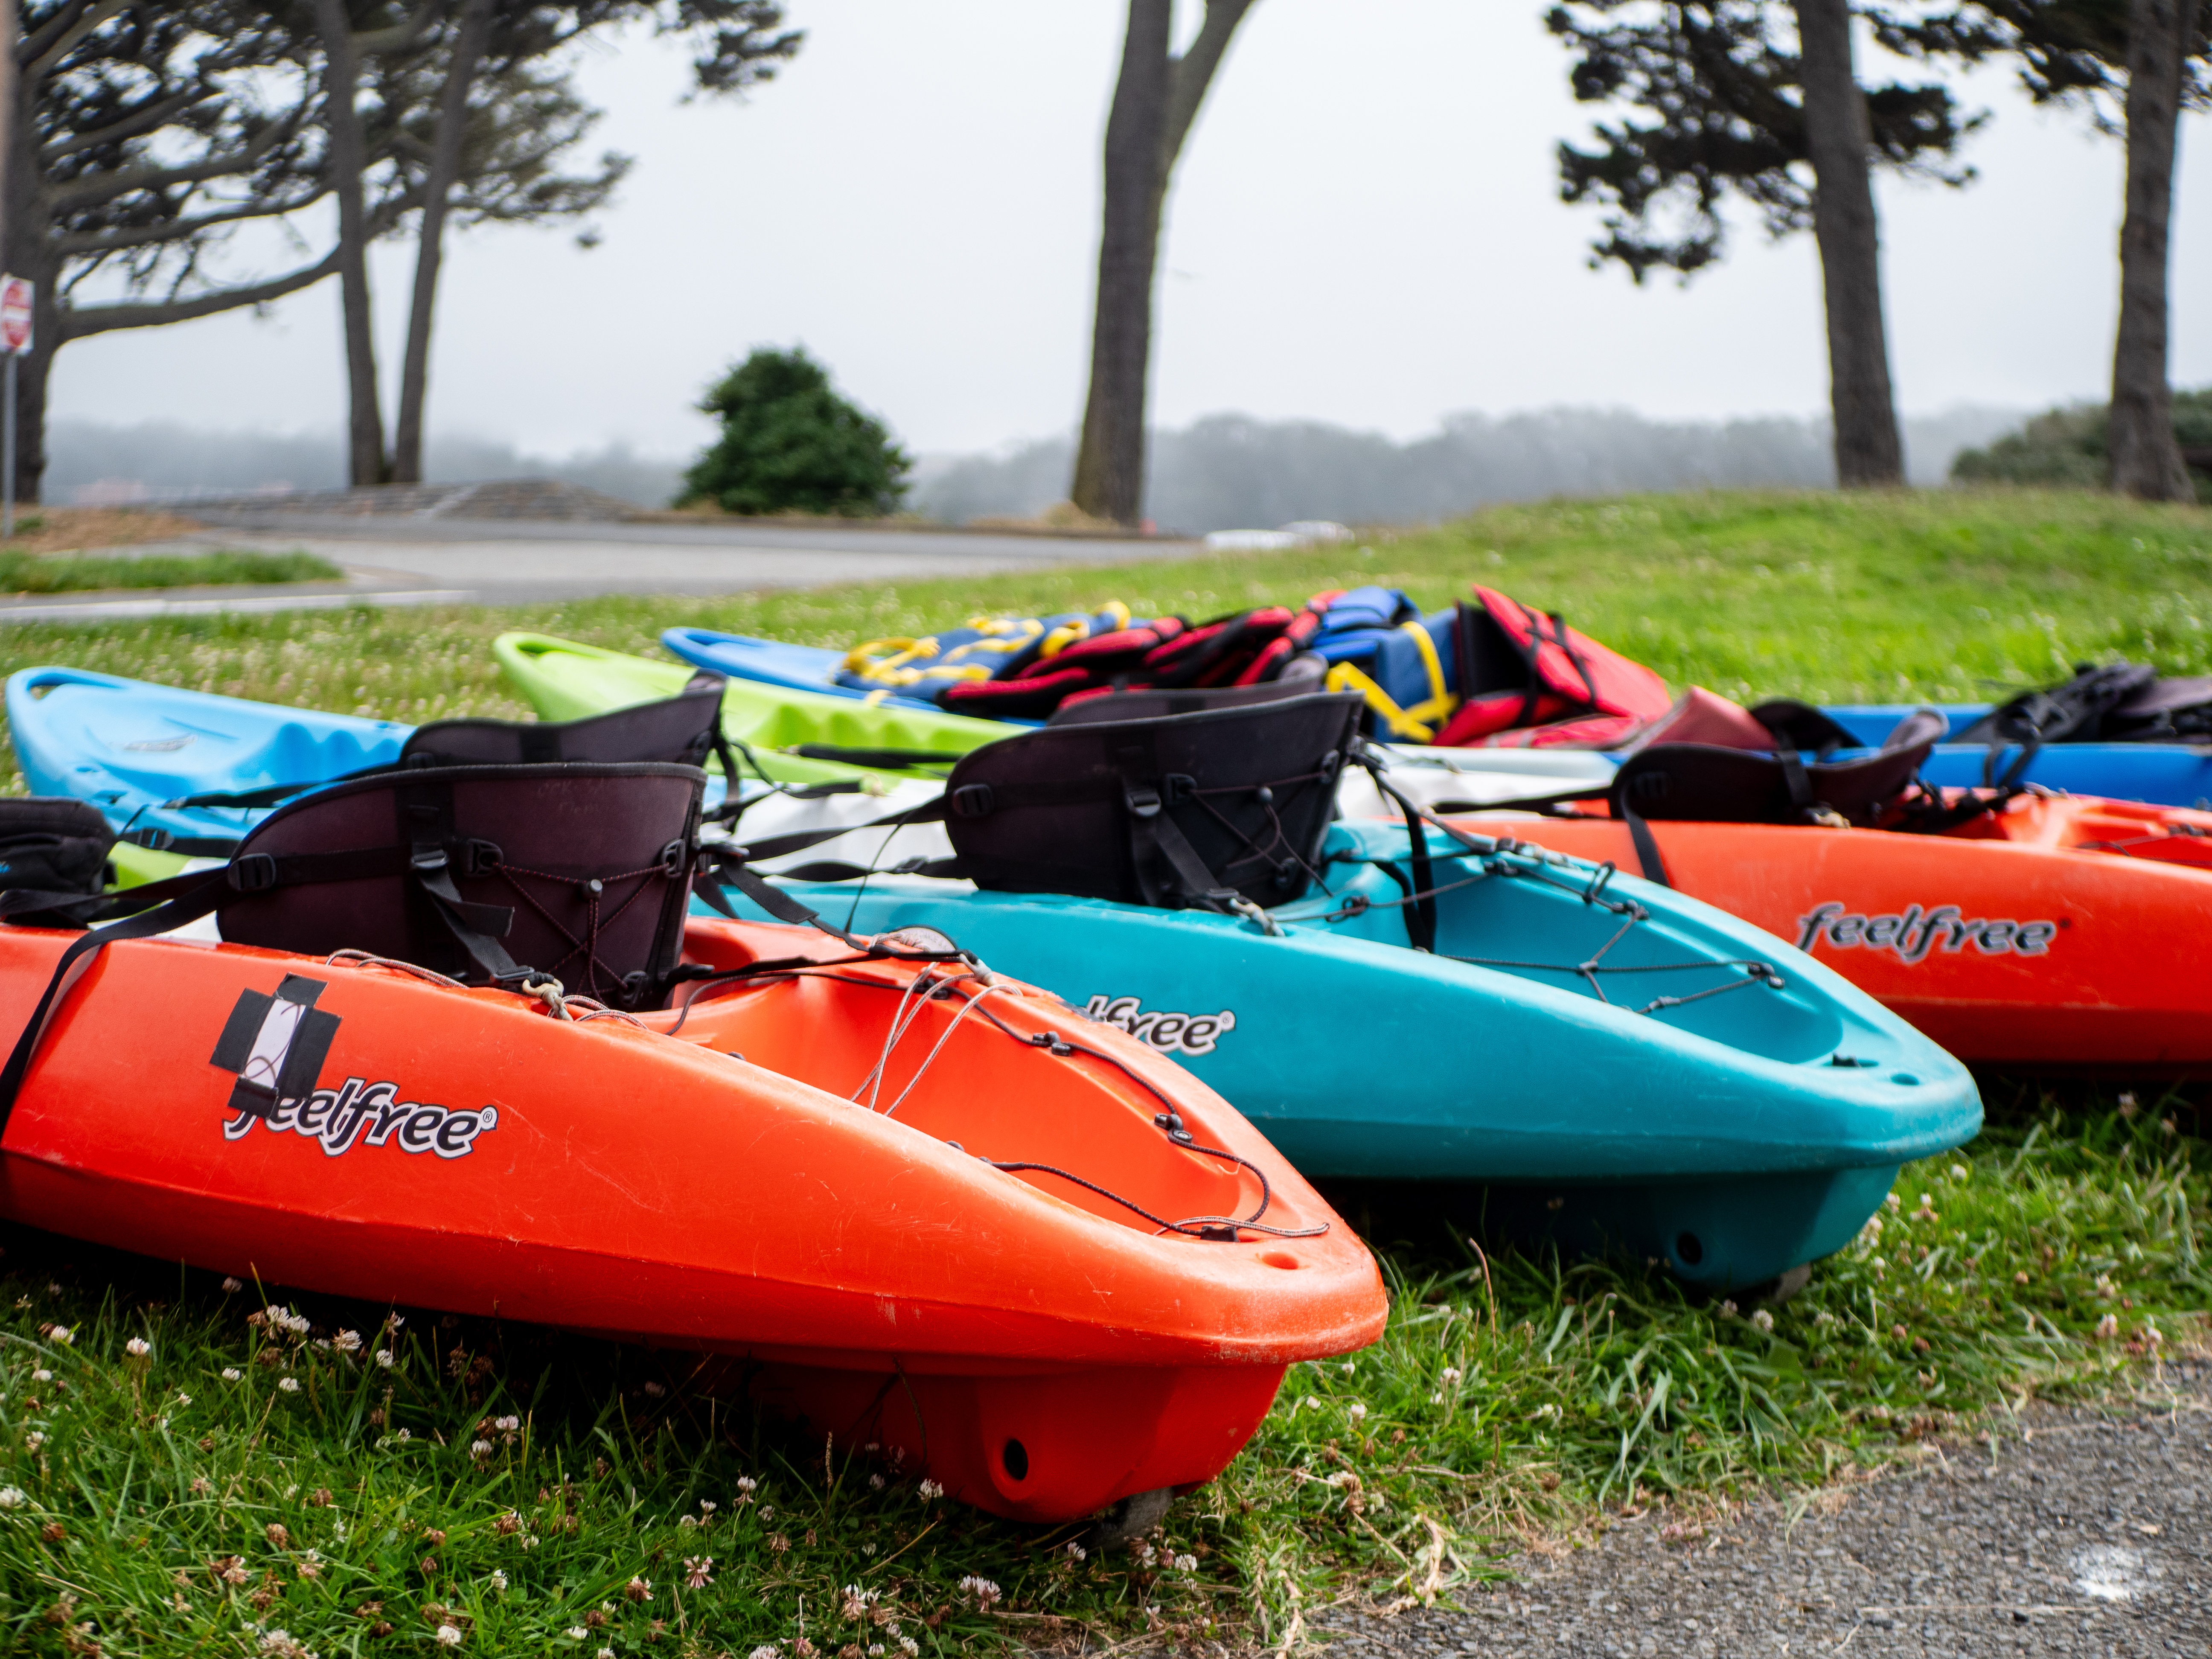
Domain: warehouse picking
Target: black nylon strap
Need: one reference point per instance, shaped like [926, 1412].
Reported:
[1652, 867]
[1421, 913]
[208, 890]
[881, 757]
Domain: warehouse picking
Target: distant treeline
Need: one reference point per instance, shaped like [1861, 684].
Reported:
[92, 462]
[1229, 470]
[1222, 473]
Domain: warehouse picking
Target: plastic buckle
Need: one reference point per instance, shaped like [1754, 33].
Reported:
[674, 858]
[973, 800]
[255, 872]
[480, 858]
[1178, 787]
[427, 859]
[1142, 800]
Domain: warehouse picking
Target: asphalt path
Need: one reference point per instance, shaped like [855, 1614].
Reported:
[2063, 1531]
[397, 562]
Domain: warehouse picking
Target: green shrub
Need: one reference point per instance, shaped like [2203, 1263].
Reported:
[790, 444]
[2065, 448]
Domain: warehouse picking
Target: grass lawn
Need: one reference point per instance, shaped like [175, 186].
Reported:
[248, 1486]
[79, 573]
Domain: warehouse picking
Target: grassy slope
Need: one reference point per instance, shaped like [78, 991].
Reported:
[1525, 1393]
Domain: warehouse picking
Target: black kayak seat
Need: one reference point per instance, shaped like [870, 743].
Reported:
[1703, 783]
[680, 730]
[1174, 811]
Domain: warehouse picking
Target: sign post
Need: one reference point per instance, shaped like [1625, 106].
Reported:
[16, 295]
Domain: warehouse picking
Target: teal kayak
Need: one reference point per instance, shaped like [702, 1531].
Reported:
[1632, 1068]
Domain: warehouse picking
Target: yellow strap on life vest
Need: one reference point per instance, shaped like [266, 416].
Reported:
[1423, 720]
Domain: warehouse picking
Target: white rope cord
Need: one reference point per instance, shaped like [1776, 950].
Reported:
[951, 1026]
[908, 1009]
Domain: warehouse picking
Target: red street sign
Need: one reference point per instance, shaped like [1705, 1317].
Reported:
[15, 295]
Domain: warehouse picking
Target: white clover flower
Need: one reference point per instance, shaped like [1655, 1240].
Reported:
[1727, 1309]
[654, 1390]
[34, 1440]
[762, 1653]
[12, 1498]
[698, 1571]
[577, 1633]
[708, 1506]
[746, 1486]
[1452, 1376]
[232, 1374]
[138, 1347]
[384, 1357]
[1076, 1552]
[347, 1342]
[1764, 1320]
[875, 1483]
[449, 1636]
[404, 1435]
[1358, 1413]
[1957, 1172]
[1185, 1564]
[232, 1286]
[1544, 1414]
[480, 1448]
[907, 1644]
[42, 1375]
[62, 1334]
[687, 1524]
[930, 1489]
[2108, 1327]
[604, 1653]
[289, 1384]
[506, 1425]
[184, 1399]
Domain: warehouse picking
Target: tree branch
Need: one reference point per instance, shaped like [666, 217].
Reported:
[156, 113]
[1190, 75]
[87, 21]
[85, 244]
[106, 186]
[76, 325]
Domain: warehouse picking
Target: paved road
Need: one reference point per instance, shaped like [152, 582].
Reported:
[2077, 1532]
[452, 562]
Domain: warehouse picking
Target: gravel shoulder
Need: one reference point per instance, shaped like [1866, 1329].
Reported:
[2065, 1531]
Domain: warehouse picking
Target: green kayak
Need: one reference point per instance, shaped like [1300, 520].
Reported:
[797, 737]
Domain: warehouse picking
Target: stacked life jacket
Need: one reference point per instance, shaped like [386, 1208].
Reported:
[1491, 674]
[1494, 673]
[1029, 667]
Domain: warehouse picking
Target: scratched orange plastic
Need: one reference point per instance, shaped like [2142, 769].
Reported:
[1036, 1348]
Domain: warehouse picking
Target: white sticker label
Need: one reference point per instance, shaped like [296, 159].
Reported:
[1170, 1033]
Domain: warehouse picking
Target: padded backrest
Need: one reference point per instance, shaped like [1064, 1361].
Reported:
[679, 730]
[1108, 809]
[579, 871]
[1698, 782]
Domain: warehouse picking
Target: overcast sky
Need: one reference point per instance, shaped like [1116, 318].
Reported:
[1364, 229]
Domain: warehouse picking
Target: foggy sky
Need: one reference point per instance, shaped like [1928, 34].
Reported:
[1365, 231]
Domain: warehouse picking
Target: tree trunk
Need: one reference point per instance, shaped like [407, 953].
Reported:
[2146, 460]
[1109, 461]
[1840, 144]
[1156, 99]
[472, 34]
[29, 244]
[348, 158]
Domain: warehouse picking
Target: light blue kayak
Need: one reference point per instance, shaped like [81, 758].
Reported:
[129, 747]
[1687, 1087]
[2161, 774]
[775, 662]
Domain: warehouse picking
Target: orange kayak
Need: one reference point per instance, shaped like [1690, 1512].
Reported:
[1025, 1253]
[2059, 932]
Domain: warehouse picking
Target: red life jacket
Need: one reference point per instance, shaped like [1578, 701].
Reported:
[1520, 669]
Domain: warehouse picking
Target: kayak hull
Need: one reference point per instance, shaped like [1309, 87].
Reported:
[564, 680]
[614, 1180]
[1362, 1059]
[127, 746]
[2013, 947]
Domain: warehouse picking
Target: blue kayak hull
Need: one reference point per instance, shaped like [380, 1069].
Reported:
[128, 746]
[1733, 1136]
